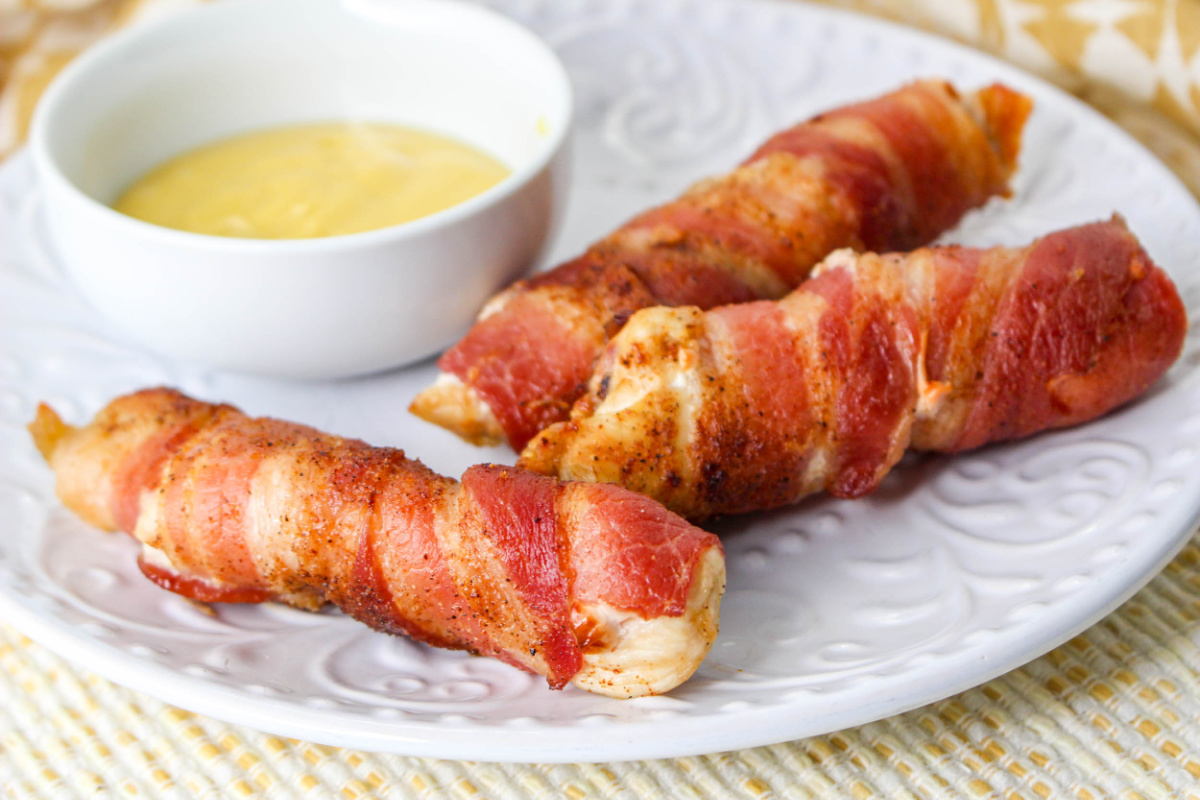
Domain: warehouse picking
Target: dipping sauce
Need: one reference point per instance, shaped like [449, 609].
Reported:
[310, 181]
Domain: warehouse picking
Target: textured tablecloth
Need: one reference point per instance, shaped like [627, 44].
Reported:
[1113, 713]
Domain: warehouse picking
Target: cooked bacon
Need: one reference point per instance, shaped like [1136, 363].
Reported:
[888, 174]
[944, 349]
[581, 583]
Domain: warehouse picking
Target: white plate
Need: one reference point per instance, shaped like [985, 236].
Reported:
[837, 613]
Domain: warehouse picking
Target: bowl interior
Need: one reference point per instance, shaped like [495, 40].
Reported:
[241, 65]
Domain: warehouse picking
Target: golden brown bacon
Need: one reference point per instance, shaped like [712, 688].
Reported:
[945, 349]
[581, 583]
[889, 174]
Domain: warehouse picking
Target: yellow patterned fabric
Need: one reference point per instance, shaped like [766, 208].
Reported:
[1113, 713]
[39, 37]
[1138, 61]
[1149, 50]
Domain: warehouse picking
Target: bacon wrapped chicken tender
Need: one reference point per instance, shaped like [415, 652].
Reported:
[585, 584]
[945, 349]
[888, 174]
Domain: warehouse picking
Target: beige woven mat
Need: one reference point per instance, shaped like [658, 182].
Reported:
[1113, 713]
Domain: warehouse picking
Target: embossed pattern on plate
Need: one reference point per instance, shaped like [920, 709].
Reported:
[837, 613]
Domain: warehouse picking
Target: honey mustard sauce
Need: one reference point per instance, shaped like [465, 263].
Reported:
[311, 181]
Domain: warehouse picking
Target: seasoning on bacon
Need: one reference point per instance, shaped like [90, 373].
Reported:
[944, 349]
[887, 174]
[585, 584]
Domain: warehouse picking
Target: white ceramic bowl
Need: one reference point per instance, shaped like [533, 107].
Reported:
[312, 308]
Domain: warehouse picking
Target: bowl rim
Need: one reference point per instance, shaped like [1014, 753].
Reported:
[114, 46]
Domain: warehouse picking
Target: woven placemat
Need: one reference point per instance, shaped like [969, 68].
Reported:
[1115, 712]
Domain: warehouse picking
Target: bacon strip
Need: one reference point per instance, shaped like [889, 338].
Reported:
[945, 349]
[592, 585]
[888, 174]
